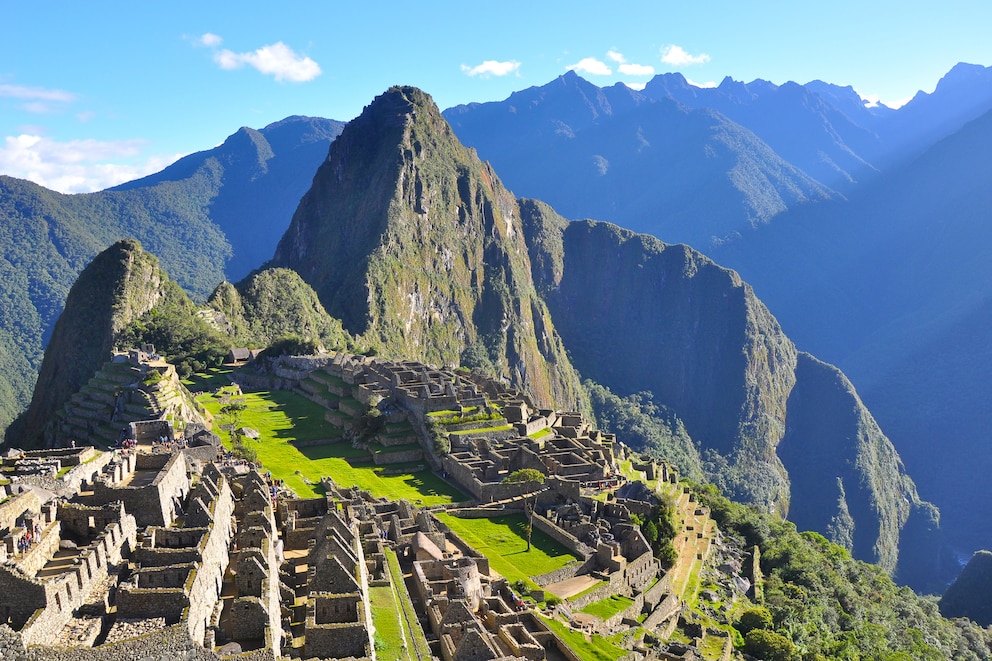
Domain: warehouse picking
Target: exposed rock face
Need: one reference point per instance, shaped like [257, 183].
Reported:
[775, 427]
[412, 241]
[118, 286]
[637, 314]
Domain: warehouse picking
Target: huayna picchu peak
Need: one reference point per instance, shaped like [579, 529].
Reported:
[417, 247]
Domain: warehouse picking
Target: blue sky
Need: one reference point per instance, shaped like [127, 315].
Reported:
[93, 94]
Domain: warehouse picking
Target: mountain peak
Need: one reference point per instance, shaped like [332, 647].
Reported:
[413, 242]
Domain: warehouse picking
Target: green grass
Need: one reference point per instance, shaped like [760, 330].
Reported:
[403, 605]
[481, 430]
[593, 648]
[504, 541]
[390, 645]
[540, 433]
[607, 608]
[282, 417]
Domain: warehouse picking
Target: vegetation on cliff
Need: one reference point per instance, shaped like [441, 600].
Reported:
[831, 606]
[417, 247]
[119, 286]
[276, 304]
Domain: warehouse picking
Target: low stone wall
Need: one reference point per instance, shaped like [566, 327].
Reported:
[404, 457]
[570, 570]
[562, 537]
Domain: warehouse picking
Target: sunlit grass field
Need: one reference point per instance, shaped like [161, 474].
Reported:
[504, 541]
[282, 417]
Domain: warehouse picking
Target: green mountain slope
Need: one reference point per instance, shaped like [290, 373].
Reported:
[117, 287]
[274, 304]
[416, 246]
[210, 216]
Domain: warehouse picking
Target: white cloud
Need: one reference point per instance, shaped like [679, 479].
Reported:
[615, 56]
[704, 85]
[210, 39]
[492, 68]
[676, 56]
[277, 60]
[636, 86]
[873, 101]
[899, 103]
[37, 100]
[77, 166]
[36, 93]
[590, 65]
[636, 69]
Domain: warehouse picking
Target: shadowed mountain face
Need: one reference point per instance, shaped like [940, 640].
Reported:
[211, 216]
[774, 427]
[117, 287]
[894, 286]
[415, 244]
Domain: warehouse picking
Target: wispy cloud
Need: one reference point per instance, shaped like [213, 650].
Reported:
[592, 66]
[628, 68]
[492, 68]
[38, 100]
[210, 39]
[277, 60]
[704, 85]
[677, 56]
[636, 86]
[636, 69]
[77, 166]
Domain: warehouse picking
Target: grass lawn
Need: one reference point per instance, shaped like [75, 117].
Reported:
[405, 616]
[591, 648]
[282, 417]
[607, 608]
[504, 541]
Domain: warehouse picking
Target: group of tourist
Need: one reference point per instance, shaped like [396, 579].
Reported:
[29, 538]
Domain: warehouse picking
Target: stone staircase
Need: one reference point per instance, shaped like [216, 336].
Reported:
[116, 396]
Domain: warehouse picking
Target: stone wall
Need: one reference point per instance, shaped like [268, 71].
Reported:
[154, 504]
[562, 537]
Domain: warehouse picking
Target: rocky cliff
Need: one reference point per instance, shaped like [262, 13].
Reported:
[773, 426]
[120, 285]
[414, 244]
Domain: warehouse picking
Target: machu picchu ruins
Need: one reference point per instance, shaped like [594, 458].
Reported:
[147, 534]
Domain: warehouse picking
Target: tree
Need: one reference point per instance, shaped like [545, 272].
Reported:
[754, 618]
[770, 646]
[232, 411]
[524, 475]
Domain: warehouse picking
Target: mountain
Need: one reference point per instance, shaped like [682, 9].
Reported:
[968, 595]
[774, 426]
[417, 247]
[656, 166]
[117, 287]
[211, 216]
[894, 287]
[272, 305]
[261, 176]
[799, 124]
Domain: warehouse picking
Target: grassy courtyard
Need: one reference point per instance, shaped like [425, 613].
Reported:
[504, 541]
[282, 417]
